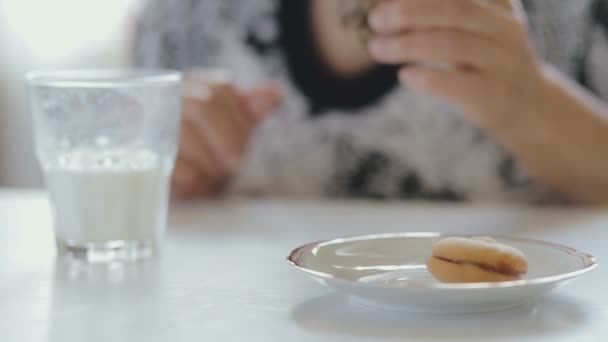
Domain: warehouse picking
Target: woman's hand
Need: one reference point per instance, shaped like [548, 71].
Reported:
[217, 124]
[475, 53]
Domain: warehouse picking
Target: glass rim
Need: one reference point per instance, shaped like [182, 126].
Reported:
[102, 78]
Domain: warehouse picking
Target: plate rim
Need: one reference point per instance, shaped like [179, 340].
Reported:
[590, 262]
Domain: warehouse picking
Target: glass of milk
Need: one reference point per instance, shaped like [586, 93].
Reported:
[107, 143]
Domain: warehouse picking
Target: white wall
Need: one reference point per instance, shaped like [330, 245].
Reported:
[43, 34]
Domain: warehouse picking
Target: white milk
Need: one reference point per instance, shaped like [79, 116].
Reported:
[114, 196]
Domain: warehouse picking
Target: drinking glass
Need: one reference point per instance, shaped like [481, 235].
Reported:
[106, 141]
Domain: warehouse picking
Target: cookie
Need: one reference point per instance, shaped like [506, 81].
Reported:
[476, 260]
[354, 14]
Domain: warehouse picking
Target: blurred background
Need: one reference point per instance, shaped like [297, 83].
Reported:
[42, 34]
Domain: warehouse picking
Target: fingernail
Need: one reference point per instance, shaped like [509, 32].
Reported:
[384, 18]
[379, 48]
[260, 106]
[376, 20]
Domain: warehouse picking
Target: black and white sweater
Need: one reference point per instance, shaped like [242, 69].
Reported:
[366, 136]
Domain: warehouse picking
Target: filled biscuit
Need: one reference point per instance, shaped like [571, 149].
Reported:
[476, 260]
[354, 14]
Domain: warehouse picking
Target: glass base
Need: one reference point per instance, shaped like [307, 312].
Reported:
[108, 251]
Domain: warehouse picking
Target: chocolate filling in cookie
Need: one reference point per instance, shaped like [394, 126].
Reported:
[505, 270]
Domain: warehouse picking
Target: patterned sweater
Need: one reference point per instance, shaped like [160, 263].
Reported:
[366, 136]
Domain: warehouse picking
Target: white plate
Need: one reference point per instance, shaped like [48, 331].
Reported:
[389, 271]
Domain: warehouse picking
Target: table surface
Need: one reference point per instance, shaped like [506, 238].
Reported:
[224, 277]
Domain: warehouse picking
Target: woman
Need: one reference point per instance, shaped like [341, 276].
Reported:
[447, 100]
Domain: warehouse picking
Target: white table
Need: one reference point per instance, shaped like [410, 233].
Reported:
[224, 277]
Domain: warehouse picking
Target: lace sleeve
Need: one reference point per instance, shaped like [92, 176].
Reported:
[179, 34]
[154, 46]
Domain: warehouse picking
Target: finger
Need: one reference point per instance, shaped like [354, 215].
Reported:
[214, 126]
[235, 114]
[467, 89]
[504, 4]
[186, 182]
[200, 89]
[456, 85]
[224, 93]
[262, 100]
[195, 91]
[438, 47]
[512, 7]
[184, 175]
[194, 151]
[395, 16]
[227, 141]
[219, 91]
[201, 131]
[241, 113]
[208, 77]
[230, 119]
